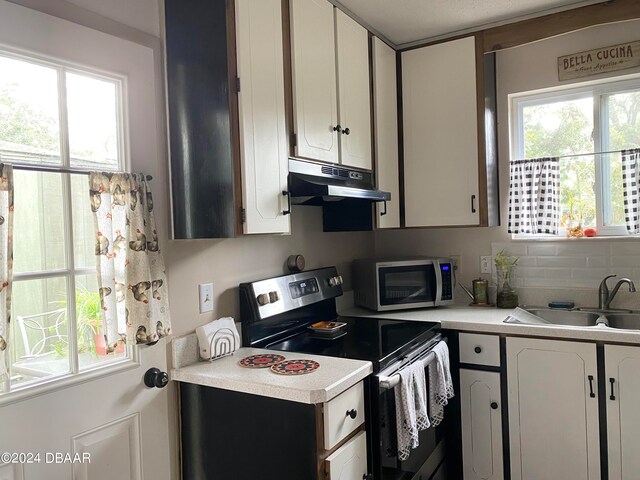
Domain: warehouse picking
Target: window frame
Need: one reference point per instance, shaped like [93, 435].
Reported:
[597, 90]
[130, 359]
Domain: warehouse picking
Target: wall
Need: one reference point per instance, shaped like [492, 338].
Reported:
[230, 262]
[521, 69]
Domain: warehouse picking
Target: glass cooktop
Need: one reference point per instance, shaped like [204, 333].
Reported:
[378, 341]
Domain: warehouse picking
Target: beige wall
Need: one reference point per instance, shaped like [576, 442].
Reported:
[229, 262]
[520, 69]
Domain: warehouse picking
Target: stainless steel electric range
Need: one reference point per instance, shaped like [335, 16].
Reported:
[276, 314]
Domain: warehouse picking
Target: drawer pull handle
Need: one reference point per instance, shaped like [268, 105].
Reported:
[477, 350]
[612, 396]
[494, 405]
[591, 394]
[353, 413]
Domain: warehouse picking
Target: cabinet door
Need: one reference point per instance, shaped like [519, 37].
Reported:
[553, 419]
[314, 79]
[354, 94]
[263, 128]
[440, 134]
[481, 425]
[622, 365]
[349, 462]
[385, 114]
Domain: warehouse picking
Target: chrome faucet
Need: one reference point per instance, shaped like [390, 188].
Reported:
[605, 298]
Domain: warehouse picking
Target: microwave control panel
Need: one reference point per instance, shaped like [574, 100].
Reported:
[447, 284]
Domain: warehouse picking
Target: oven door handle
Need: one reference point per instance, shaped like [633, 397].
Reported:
[391, 381]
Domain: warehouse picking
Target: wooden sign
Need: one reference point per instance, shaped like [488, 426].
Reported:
[599, 60]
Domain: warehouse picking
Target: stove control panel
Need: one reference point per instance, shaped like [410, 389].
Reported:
[288, 292]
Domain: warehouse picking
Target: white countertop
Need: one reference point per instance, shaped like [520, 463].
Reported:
[334, 376]
[490, 320]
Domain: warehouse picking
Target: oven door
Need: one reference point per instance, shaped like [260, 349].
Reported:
[410, 285]
[425, 462]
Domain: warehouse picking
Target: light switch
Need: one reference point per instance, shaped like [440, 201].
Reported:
[205, 294]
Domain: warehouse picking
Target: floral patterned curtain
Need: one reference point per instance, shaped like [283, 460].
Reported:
[6, 260]
[131, 273]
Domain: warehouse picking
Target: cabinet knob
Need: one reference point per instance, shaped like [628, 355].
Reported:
[346, 131]
[494, 405]
[353, 413]
[478, 349]
[367, 476]
[337, 128]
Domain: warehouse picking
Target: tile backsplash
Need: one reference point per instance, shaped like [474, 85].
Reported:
[570, 264]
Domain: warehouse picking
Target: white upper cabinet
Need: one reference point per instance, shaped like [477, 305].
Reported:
[263, 128]
[553, 410]
[440, 134]
[314, 80]
[385, 114]
[332, 106]
[354, 106]
[622, 397]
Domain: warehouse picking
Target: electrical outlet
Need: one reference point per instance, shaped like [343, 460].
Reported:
[485, 264]
[455, 260]
[205, 295]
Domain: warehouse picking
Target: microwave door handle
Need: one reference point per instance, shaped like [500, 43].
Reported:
[438, 276]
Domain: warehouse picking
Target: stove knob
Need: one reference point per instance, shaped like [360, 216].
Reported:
[262, 299]
[273, 296]
[340, 280]
[332, 282]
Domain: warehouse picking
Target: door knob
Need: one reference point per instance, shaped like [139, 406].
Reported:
[154, 377]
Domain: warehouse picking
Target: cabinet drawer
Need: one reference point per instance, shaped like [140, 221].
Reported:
[338, 412]
[480, 349]
[349, 461]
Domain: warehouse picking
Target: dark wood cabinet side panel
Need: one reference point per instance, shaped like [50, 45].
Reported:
[200, 130]
[233, 435]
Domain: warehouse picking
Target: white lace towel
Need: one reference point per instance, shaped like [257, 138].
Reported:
[406, 425]
[420, 385]
[440, 384]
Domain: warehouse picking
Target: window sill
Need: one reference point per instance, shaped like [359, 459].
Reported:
[64, 381]
[562, 238]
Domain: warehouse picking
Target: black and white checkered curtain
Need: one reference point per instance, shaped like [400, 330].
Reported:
[630, 192]
[534, 192]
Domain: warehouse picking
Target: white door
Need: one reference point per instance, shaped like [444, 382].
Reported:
[385, 108]
[440, 134]
[622, 397]
[553, 417]
[113, 417]
[349, 462]
[354, 94]
[263, 128]
[481, 411]
[314, 80]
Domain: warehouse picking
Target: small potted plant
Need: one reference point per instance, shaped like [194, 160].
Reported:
[505, 267]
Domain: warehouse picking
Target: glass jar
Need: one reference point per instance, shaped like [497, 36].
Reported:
[506, 296]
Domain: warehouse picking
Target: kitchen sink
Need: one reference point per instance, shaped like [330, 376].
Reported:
[627, 321]
[582, 318]
[566, 317]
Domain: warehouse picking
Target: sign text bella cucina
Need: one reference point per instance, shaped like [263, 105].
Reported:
[599, 60]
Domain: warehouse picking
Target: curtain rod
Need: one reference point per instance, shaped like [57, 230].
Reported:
[578, 154]
[42, 168]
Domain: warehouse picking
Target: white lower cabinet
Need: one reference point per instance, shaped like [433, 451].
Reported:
[622, 380]
[481, 425]
[553, 410]
[349, 462]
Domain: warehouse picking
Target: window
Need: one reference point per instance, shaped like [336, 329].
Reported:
[56, 121]
[580, 125]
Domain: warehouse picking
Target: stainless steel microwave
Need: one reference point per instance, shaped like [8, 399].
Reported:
[403, 283]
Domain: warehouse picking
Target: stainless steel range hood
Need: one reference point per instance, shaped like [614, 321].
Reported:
[315, 184]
